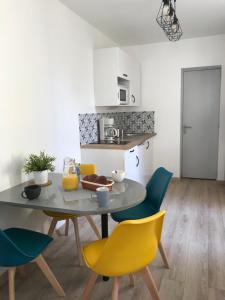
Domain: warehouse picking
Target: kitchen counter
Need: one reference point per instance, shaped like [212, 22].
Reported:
[132, 142]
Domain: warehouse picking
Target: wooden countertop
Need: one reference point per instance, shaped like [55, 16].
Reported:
[133, 141]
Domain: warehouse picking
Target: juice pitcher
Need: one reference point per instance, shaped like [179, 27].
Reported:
[70, 179]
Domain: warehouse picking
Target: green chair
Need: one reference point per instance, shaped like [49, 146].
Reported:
[21, 246]
[156, 190]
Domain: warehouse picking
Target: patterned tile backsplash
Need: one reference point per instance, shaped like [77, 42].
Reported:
[130, 122]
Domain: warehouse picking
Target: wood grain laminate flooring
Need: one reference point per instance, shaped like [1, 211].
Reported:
[194, 239]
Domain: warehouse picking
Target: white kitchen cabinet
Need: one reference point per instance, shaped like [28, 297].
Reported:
[124, 64]
[111, 64]
[106, 160]
[148, 158]
[105, 77]
[141, 162]
[144, 162]
[135, 84]
[132, 164]
[145, 154]
[137, 162]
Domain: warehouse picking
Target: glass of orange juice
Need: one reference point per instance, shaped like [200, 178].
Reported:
[70, 182]
[70, 179]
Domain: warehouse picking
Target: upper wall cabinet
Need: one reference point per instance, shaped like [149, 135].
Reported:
[113, 67]
[123, 62]
[135, 84]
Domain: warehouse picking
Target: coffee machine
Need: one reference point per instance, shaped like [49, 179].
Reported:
[108, 132]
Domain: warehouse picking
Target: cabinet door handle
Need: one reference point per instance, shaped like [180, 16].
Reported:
[147, 145]
[125, 75]
[137, 161]
[131, 151]
[133, 98]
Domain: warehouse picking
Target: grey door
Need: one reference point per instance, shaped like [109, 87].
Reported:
[200, 122]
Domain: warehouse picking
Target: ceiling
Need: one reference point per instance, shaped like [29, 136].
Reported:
[130, 22]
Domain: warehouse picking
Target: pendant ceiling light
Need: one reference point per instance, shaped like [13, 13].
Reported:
[168, 21]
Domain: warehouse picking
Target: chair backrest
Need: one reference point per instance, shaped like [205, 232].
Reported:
[87, 169]
[10, 254]
[157, 187]
[132, 245]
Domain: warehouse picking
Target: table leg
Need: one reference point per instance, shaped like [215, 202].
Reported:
[105, 233]
[104, 219]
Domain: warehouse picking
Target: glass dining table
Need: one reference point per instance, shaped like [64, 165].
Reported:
[80, 202]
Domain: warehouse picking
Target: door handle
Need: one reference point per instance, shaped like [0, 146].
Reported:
[185, 127]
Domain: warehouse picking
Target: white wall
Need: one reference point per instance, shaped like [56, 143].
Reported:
[46, 79]
[161, 91]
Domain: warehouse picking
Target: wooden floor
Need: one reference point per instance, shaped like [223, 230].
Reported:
[194, 238]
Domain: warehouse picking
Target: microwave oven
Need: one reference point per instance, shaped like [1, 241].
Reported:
[123, 95]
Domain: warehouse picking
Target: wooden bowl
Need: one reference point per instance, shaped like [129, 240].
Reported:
[88, 185]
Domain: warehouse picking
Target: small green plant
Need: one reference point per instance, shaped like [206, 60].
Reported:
[39, 163]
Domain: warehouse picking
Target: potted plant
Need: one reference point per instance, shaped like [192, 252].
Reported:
[39, 165]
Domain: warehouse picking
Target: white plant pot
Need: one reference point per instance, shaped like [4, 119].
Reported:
[41, 177]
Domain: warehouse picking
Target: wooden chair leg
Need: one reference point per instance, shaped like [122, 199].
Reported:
[11, 276]
[163, 254]
[149, 281]
[52, 226]
[77, 237]
[115, 289]
[93, 226]
[49, 275]
[131, 276]
[67, 227]
[88, 288]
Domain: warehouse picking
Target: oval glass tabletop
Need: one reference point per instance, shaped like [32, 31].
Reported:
[81, 202]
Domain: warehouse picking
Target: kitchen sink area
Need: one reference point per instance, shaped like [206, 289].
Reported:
[114, 142]
[127, 143]
[132, 134]
[116, 130]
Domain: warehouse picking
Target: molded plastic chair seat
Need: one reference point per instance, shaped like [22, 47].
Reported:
[85, 169]
[140, 211]
[59, 215]
[93, 251]
[29, 242]
[21, 246]
[156, 190]
[132, 245]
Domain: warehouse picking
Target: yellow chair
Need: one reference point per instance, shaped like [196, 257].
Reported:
[132, 245]
[85, 169]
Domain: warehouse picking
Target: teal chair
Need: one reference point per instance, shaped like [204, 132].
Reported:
[21, 246]
[156, 190]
